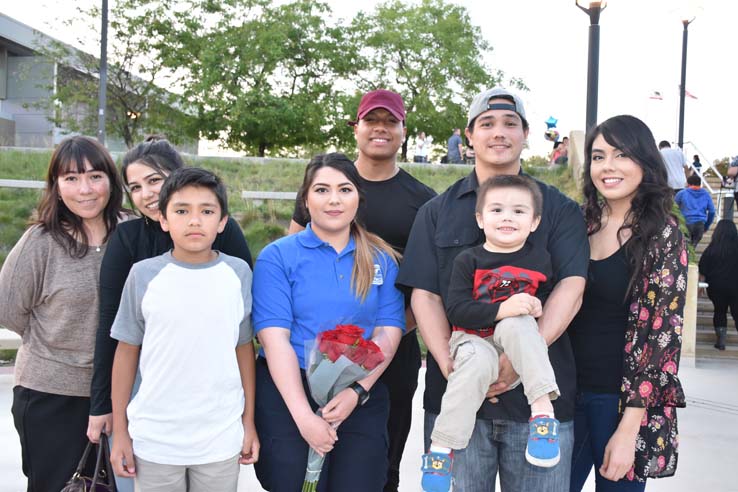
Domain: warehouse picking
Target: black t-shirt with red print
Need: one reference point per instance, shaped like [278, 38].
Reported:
[482, 280]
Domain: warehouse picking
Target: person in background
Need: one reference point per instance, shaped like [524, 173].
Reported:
[719, 268]
[627, 335]
[676, 165]
[393, 197]
[49, 296]
[696, 164]
[455, 147]
[144, 169]
[422, 147]
[333, 272]
[697, 208]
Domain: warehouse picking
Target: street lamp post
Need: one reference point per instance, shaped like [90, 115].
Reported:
[102, 91]
[682, 88]
[592, 9]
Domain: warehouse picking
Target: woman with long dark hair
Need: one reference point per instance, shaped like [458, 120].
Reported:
[333, 272]
[49, 296]
[627, 335]
[144, 169]
[719, 267]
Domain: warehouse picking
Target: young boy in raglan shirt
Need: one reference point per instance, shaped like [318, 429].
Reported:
[187, 314]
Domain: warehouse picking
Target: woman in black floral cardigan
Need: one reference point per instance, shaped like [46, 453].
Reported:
[627, 336]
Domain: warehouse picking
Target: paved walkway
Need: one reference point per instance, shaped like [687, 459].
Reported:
[708, 426]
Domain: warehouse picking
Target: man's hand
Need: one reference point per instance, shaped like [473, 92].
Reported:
[507, 376]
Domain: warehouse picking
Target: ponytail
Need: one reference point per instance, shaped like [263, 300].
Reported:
[367, 247]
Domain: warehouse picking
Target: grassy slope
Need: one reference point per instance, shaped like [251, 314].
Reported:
[262, 223]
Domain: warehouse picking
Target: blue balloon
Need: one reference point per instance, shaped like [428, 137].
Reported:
[551, 122]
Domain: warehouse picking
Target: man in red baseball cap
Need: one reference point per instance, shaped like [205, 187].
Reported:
[393, 197]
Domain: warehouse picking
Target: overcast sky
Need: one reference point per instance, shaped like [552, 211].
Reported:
[544, 42]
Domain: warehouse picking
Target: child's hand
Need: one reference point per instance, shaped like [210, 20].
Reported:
[251, 445]
[520, 305]
[121, 456]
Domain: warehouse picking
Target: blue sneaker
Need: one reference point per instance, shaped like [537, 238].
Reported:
[543, 442]
[437, 472]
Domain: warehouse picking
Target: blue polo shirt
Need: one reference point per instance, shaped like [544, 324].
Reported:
[302, 284]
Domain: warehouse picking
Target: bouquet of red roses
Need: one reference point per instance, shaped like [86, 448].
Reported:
[337, 359]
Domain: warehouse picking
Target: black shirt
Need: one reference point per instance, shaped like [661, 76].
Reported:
[445, 227]
[391, 206]
[482, 280]
[131, 242]
[597, 333]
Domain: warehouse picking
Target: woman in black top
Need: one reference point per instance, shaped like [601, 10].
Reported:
[144, 169]
[627, 336]
[719, 267]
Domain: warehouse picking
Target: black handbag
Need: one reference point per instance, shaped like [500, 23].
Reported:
[102, 480]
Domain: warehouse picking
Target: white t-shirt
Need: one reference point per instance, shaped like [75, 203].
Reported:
[675, 162]
[188, 320]
[421, 147]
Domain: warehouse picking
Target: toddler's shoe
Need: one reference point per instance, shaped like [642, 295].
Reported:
[436, 470]
[543, 441]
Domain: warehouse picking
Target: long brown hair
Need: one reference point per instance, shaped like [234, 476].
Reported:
[367, 245]
[651, 206]
[54, 216]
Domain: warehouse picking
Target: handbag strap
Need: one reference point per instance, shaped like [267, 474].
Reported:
[103, 459]
[83, 460]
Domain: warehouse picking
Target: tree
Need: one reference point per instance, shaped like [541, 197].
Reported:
[263, 77]
[432, 55]
[136, 103]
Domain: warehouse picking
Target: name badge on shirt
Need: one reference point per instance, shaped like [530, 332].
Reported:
[378, 277]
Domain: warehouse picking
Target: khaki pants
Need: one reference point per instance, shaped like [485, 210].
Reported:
[476, 367]
[221, 476]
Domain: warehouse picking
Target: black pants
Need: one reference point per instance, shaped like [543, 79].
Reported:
[722, 300]
[53, 435]
[696, 231]
[401, 379]
[358, 461]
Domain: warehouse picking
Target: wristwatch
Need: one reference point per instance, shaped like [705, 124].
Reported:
[363, 394]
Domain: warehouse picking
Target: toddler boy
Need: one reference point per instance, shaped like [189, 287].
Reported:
[492, 306]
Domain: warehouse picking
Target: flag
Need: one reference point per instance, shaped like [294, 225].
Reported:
[656, 95]
[688, 94]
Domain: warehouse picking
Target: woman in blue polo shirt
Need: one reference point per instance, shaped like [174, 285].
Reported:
[332, 272]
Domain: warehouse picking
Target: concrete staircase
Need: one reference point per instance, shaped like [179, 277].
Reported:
[705, 332]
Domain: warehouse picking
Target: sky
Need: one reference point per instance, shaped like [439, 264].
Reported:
[545, 42]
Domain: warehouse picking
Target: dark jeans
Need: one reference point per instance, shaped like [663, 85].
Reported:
[53, 435]
[358, 461]
[594, 423]
[722, 300]
[696, 231]
[499, 447]
[401, 379]
[420, 158]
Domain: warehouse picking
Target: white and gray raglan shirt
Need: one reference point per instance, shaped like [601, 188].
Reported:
[188, 320]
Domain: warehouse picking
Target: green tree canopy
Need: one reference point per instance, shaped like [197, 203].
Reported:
[432, 54]
[136, 102]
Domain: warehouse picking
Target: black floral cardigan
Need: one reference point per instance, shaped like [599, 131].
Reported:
[653, 342]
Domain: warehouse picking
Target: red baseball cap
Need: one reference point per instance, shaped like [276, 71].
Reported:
[380, 98]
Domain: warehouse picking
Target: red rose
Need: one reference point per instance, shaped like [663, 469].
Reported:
[358, 353]
[374, 356]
